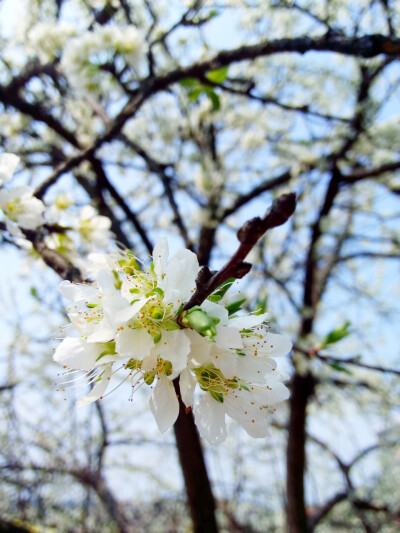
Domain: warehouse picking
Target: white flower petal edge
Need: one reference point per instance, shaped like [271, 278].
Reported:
[187, 385]
[160, 256]
[135, 343]
[164, 404]
[247, 321]
[77, 353]
[209, 416]
[174, 346]
[98, 390]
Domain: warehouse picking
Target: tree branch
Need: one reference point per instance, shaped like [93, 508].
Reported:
[280, 211]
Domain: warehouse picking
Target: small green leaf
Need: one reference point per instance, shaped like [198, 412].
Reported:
[195, 93]
[339, 367]
[34, 293]
[219, 75]
[189, 82]
[336, 335]
[214, 298]
[213, 96]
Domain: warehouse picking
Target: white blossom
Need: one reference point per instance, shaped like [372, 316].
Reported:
[21, 208]
[8, 165]
[134, 314]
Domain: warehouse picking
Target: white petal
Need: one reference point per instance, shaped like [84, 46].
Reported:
[102, 334]
[164, 404]
[77, 291]
[199, 348]
[228, 337]
[226, 361]
[124, 315]
[32, 216]
[277, 345]
[180, 277]
[150, 362]
[77, 353]
[14, 230]
[257, 429]
[98, 390]
[105, 281]
[209, 416]
[135, 343]
[83, 326]
[174, 346]
[277, 392]
[187, 385]
[217, 311]
[253, 369]
[160, 256]
[8, 165]
[247, 321]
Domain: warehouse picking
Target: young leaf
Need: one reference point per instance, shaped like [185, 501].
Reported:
[219, 75]
[336, 335]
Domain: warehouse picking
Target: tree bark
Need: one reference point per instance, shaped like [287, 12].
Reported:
[302, 389]
[191, 456]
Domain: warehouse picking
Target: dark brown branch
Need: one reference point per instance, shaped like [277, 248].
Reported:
[160, 170]
[60, 264]
[366, 46]
[265, 186]
[355, 362]
[318, 515]
[280, 211]
[361, 174]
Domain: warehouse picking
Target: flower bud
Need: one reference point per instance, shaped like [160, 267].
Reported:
[198, 320]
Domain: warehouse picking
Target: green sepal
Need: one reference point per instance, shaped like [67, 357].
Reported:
[108, 350]
[224, 287]
[217, 396]
[340, 367]
[117, 280]
[261, 306]
[170, 325]
[91, 306]
[235, 306]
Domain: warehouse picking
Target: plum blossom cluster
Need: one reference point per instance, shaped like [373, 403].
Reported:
[130, 322]
[71, 233]
[20, 208]
[85, 53]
